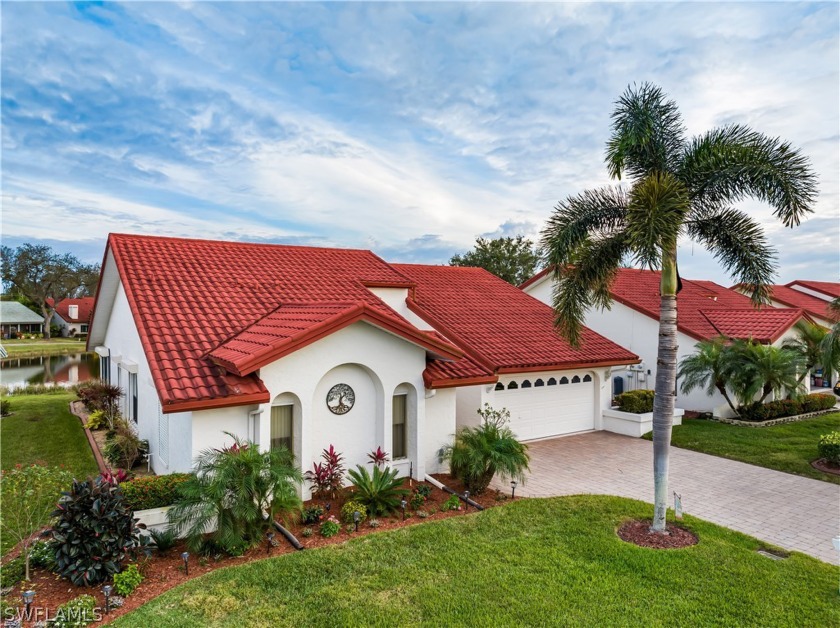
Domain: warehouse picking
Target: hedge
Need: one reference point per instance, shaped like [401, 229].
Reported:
[787, 407]
[635, 401]
[829, 447]
[155, 491]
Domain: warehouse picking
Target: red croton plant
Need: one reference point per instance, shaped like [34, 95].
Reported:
[327, 476]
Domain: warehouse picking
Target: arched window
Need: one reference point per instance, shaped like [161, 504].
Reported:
[500, 386]
[564, 380]
[576, 380]
[513, 386]
[552, 381]
[539, 382]
[526, 384]
[587, 378]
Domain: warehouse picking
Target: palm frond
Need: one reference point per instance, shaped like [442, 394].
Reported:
[657, 208]
[648, 133]
[739, 244]
[728, 164]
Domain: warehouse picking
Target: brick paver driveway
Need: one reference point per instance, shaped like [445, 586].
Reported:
[786, 510]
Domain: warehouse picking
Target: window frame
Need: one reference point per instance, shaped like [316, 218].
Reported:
[395, 454]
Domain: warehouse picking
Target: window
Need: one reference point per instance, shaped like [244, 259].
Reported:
[526, 384]
[513, 386]
[552, 381]
[539, 382]
[500, 386]
[281, 427]
[564, 380]
[105, 368]
[576, 380]
[132, 396]
[587, 378]
[399, 422]
[84, 329]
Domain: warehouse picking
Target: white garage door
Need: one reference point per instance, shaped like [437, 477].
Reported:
[549, 406]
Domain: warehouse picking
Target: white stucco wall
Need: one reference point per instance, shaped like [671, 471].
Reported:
[469, 399]
[439, 428]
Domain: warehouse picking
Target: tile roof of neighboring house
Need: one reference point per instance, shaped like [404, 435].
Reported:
[830, 289]
[85, 305]
[639, 290]
[498, 325]
[795, 298]
[765, 325]
[211, 312]
[13, 313]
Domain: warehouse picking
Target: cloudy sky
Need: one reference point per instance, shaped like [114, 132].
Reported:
[405, 128]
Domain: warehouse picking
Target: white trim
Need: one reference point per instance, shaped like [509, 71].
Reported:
[130, 366]
[103, 351]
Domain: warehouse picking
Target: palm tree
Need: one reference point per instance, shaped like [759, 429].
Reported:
[706, 369]
[755, 368]
[808, 344]
[830, 346]
[676, 188]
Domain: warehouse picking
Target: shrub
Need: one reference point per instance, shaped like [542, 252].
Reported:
[80, 611]
[818, 401]
[829, 447]
[232, 488]
[96, 420]
[42, 555]
[12, 572]
[635, 401]
[307, 532]
[374, 523]
[453, 503]
[154, 491]
[312, 514]
[422, 514]
[163, 540]
[786, 407]
[380, 492]
[327, 477]
[5, 407]
[481, 452]
[116, 477]
[127, 580]
[350, 528]
[330, 527]
[417, 500]
[378, 457]
[424, 489]
[33, 389]
[124, 448]
[349, 508]
[94, 532]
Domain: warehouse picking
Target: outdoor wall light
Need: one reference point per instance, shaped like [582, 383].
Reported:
[356, 516]
[403, 504]
[269, 537]
[185, 556]
[107, 591]
[28, 597]
[513, 489]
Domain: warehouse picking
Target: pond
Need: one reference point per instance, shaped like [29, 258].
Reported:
[59, 369]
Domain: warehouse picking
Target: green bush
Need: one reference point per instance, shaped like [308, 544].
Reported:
[423, 489]
[635, 401]
[379, 492]
[306, 533]
[154, 491]
[127, 580]
[787, 407]
[312, 514]
[94, 532]
[417, 500]
[11, 572]
[79, 611]
[330, 527]
[5, 407]
[818, 401]
[829, 447]
[453, 503]
[163, 540]
[42, 555]
[96, 420]
[349, 508]
[124, 448]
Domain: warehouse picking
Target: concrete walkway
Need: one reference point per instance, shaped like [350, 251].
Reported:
[786, 510]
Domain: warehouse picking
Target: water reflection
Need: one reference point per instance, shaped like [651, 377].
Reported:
[58, 369]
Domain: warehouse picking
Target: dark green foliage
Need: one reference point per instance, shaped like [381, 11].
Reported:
[635, 401]
[478, 453]
[12, 571]
[155, 491]
[381, 491]
[80, 611]
[452, 503]
[829, 447]
[512, 259]
[423, 489]
[127, 580]
[817, 401]
[42, 555]
[5, 407]
[124, 447]
[349, 508]
[417, 500]
[787, 407]
[330, 527]
[312, 514]
[94, 532]
[163, 540]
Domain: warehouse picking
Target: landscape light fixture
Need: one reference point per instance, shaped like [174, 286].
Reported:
[107, 591]
[513, 489]
[327, 506]
[403, 504]
[356, 516]
[269, 537]
[185, 556]
[466, 500]
[28, 597]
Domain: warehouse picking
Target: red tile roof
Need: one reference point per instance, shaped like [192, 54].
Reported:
[639, 290]
[85, 309]
[828, 288]
[795, 298]
[763, 326]
[499, 326]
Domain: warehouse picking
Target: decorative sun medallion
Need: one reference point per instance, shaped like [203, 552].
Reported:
[340, 399]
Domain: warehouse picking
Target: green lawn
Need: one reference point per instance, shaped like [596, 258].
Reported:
[20, 348]
[41, 428]
[533, 562]
[789, 447]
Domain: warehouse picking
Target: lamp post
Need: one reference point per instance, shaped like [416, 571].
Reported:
[185, 556]
[28, 597]
[269, 537]
[356, 516]
[403, 504]
[513, 489]
[107, 591]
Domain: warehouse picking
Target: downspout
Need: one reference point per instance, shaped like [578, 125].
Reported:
[443, 487]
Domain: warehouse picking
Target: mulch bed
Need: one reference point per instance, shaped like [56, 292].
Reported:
[162, 572]
[825, 466]
[638, 532]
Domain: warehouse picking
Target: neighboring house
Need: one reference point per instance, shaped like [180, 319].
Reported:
[16, 318]
[307, 347]
[811, 296]
[73, 316]
[705, 310]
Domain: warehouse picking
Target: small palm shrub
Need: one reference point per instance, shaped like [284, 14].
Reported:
[127, 580]
[94, 532]
[478, 453]
[635, 401]
[349, 508]
[380, 491]
[232, 488]
[423, 489]
[829, 447]
[78, 612]
[327, 477]
[154, 491]
[163, 540]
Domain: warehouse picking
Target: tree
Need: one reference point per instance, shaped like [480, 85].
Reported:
[761, 369]
[830, 346]
[677, 187]
[29, 496]
[45, 277]
[512, 259]
[808, 344]
[706, 369]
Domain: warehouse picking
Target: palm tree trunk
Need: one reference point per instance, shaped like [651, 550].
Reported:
[722, 390]
[666, 381]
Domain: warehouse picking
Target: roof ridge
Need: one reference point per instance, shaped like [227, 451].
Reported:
[240, 242]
